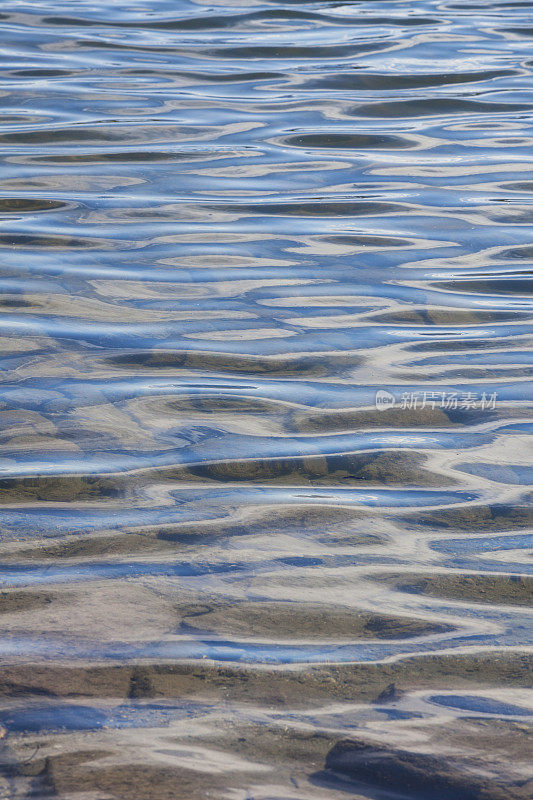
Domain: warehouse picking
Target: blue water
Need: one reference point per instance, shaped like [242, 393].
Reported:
[265, 397]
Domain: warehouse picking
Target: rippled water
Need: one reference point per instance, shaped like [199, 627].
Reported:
[265, 338]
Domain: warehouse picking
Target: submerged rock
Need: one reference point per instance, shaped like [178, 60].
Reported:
[413, 775]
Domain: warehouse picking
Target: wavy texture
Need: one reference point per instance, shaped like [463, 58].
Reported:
[265, 338]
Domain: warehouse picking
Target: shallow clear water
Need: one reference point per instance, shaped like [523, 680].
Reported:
[265, 339]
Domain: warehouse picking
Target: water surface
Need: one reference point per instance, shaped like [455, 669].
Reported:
[265, 339]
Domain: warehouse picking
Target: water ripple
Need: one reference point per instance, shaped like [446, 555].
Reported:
[265, 339]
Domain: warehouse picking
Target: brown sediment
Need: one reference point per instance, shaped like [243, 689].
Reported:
[384, 468]
[475, 518]
[252, 733]
[289, 620]
[298, 687]
[222, 405]
[59, 489]
[230, 754]
[355, 419]
[83, 546]
[495, 589]
[388, 468]
[232, 751]
[71, 773]
[290, 365]
[24, 600]
[433, 315]
[457, 316]
[334, 525]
